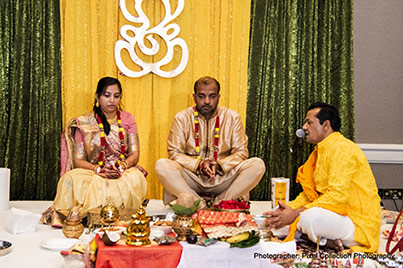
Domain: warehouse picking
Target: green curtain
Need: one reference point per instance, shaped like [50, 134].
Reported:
[301, 52]
[30, 96]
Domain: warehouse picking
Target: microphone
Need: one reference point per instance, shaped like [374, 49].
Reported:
[300, 133]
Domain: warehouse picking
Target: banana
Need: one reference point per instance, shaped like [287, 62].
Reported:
[238, 238]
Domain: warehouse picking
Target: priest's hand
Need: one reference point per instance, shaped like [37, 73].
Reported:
[282, 216]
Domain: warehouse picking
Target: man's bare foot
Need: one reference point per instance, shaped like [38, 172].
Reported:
[336, 244]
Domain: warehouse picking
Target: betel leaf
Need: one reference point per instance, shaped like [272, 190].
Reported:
[181, 210]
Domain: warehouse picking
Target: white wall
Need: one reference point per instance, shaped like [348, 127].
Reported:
[378, 82]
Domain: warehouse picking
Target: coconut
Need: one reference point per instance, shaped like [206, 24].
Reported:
[74, 214]
[185, 199]
[110, 238]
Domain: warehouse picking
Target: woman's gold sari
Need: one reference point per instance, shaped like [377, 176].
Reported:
[83, 187]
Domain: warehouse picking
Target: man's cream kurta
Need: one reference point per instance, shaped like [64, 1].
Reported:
[232, 144]
[179, 174]
[344, 181]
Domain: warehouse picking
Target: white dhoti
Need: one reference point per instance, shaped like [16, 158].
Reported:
[326, 224]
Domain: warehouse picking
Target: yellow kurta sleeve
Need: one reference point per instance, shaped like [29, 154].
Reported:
[299, 202]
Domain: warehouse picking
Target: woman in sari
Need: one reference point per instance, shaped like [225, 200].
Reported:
[103, 151]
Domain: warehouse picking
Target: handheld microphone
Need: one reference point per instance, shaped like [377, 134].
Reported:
[300, 133]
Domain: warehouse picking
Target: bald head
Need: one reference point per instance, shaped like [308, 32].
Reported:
[206, 80]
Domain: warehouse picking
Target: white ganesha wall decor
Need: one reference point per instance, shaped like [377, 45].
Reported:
[135, 35]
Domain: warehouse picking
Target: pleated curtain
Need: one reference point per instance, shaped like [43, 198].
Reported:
[301, 52]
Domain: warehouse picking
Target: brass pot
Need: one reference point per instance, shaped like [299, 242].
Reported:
[109, 214]
[182, 225]
[72, 229]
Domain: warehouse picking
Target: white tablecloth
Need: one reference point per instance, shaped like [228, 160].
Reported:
[27, 251]
[221, 255]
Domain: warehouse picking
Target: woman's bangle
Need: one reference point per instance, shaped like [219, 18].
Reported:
[96, 169]
[124, 164]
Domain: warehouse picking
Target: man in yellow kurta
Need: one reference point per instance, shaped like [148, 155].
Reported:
[208, 151]
[340, 201]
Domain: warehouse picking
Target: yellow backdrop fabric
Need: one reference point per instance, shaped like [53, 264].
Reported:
[217, 36]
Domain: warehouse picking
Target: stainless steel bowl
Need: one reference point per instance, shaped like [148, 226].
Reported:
[264, 232]
[5, 247]
[259, 220]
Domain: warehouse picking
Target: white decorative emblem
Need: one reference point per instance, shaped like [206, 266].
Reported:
[168, 32]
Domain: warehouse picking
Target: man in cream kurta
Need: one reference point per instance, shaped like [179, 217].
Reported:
[208, 152]
[340, 201]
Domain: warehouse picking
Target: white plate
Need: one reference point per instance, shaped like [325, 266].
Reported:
[59, 243]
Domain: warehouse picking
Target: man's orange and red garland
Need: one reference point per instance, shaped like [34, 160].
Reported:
[216, 134]
[103, 140]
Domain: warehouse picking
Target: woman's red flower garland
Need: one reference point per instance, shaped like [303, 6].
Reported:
[103, 140]
[216, 134]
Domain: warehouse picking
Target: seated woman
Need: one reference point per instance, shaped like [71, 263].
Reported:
[103, 149]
